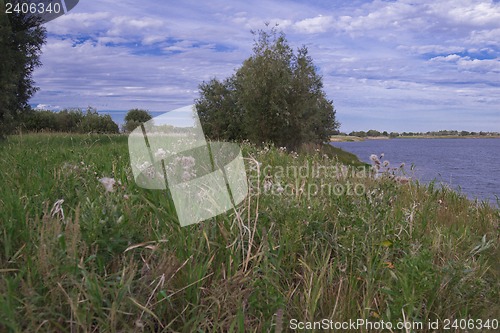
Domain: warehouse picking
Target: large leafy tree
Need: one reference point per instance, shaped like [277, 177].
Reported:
[276, 96]
[21, 39]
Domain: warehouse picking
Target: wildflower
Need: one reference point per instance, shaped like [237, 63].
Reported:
[161, 153]
[374, 159]
[402, 180]
[188, 162]
[402, 166]
[57, 209]
[144, 166]
[386, 164]
[186, 175]
[267, 183]
[280, 189]
[108, 183]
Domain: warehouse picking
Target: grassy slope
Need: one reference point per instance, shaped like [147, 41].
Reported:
[120, 261]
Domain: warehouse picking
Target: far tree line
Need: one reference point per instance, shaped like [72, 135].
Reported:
[375, 133]
[79, 121]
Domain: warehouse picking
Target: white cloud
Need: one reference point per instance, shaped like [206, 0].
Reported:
[448, 58]
[314, 25]
[432, 49]
[484, 37]
[468, 13]
[126, 25]
[480, 65]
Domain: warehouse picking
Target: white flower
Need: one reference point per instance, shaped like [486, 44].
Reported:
[402, 180]
[144, 166]
[187, 162]
[267, 185]
[108, 183]
[161, 154]
[186, 175]
[374, 159]
[57, 208]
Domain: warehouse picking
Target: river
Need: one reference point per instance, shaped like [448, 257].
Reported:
[471, 166]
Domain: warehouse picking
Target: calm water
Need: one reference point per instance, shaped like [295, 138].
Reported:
[469, 165]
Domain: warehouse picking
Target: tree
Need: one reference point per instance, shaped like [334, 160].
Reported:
[275, 96]
[69, 121]
[218, 112]
[21, 39]
[93, 122]
[135, 118]
[373, 133]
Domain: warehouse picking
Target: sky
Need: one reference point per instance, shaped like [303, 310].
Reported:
[401, 65]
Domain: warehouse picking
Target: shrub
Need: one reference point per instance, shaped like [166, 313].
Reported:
[93, 122]
[134, 118]
[70, 121]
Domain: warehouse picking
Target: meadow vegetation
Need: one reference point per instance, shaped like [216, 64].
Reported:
[77, 256]
[67, 121]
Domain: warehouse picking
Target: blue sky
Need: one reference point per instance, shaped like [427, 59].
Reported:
[402, 65]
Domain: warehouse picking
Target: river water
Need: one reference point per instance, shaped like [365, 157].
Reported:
[471, 166]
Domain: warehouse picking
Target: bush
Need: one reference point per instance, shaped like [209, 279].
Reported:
[70, 121]
[135, 118]
[42, 120]
[93, 122]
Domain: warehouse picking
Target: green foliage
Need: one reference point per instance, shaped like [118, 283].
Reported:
[135, 118]
[93, 122]
[276, 96]
[70, 121]
[21, 39]
[217, 110]
[361, 134]
[373, 133]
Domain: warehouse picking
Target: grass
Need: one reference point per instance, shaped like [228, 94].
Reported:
[119, 261]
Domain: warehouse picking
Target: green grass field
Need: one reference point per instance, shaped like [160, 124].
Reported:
[305, 250]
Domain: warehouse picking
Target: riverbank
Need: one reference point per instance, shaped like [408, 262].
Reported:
[313, 239]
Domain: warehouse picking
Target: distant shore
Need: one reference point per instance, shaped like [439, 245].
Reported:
[347, 138]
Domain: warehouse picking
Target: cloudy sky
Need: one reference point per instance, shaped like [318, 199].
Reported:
[403, 65]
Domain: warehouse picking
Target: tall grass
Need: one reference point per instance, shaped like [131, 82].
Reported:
[119, 261]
